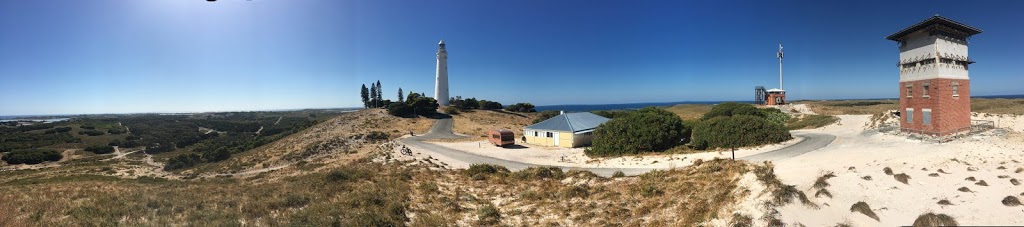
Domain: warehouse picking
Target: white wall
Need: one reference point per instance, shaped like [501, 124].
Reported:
[921, 45]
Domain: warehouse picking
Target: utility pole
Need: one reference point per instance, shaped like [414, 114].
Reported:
[780, 66]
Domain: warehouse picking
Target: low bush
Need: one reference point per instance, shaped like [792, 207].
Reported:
[400, 109]
[58, 130]
[1011, 201]
[91, 133]
[534, 173]
[902, 177]
[31, 157]
[522, 108]
[932, 219]
[451, 110]
[863, 208]
[544, 115]
[481, 171]
[99, 149]
[737, 131]
[618, 174]
[488, 215]
[645, 130]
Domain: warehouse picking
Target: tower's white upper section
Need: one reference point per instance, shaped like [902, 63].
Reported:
[441, 79]
[934, 48]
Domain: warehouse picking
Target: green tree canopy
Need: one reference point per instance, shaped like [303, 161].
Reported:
[644, 130]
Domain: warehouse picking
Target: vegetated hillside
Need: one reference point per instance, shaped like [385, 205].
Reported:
[476, 123]
[998, 106]
[347, 137]
[362, 188]
[690, 111]
[852, 107]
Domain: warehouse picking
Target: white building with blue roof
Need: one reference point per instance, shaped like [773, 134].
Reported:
[565, 130]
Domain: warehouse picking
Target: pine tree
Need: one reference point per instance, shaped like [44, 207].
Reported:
[365, 94]
[400, 95]
[380, 92]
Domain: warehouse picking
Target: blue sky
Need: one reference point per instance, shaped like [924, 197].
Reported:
[114, 56]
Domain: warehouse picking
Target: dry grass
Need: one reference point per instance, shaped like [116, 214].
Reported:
[943, 171]
[1019, 170]
[822, 192]
[477, 123]
[822, 181]
[863, 208]
[964, 189]
[997, 106]
[810, 121]
[855, 107]
[1011, 201]
[690, 111]
[546, 196]
[981, 183]
[945, 202]
[970, 179]
[869, 107]
[932, 219]
[902, 177]
[933, 175]
[1015, 182]
[887, 171]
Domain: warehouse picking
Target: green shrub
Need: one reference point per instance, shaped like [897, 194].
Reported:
[400, 109]
[31, 157]
[99, 149]
[732, 109]
[539, 173]
[544, 115]
[618, 174]
[485, 169]
[522, 107]
[91, 133]
[451, 110]
[737, 131]
[644, 130]
[488, 215]
[58, 130]
[775, 116]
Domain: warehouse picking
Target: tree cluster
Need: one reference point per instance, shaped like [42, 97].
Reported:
[736, 125]
[522, 108]
[373, 97]
[31, 157]
[415, 104]
[100, 149]
[473, 103]
[649, 129]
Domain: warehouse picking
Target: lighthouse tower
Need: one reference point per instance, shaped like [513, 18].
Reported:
[441, 81]
[935, 91]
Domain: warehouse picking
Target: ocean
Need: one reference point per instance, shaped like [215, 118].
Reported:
[633, 106]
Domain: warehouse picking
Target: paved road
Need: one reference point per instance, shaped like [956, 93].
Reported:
[442, 129]
[811, 142]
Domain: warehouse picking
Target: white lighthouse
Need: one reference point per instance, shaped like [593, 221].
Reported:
[441, 81]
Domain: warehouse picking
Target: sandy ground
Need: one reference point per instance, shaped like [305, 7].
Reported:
[575, 157]
[858, 152]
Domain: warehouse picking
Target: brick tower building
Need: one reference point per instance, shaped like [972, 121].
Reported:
[935, 90]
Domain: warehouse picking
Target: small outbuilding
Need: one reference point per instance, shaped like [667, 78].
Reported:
[565, 130]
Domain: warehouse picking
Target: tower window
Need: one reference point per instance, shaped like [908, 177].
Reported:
[910, 90]
[925, 90]
[910, 115]
[926, 116]
[956, 88]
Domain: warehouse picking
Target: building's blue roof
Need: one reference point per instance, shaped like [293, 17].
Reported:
[570, 122]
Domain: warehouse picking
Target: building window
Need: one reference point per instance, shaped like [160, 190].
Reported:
[926, 116]
[535, 134]
[956, 89]
[910, 90]
[910, 115]
[925, 89]
[550, 135]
